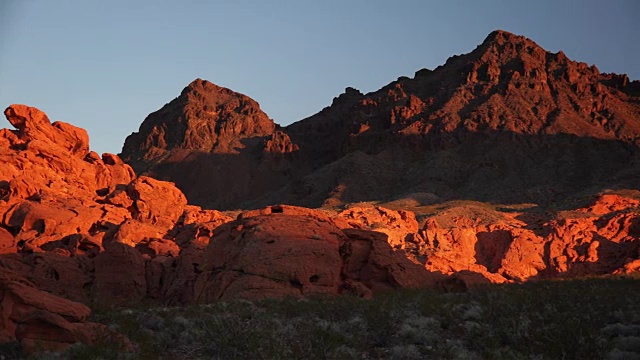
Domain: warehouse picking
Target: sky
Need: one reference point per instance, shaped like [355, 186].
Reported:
[105, 65]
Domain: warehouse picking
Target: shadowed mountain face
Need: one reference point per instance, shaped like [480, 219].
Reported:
[214, 143]
[205, 117]
[508, 122]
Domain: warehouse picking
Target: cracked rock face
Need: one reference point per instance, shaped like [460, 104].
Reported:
[272, 256]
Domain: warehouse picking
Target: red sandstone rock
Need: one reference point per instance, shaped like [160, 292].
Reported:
[368, 259]
[632, 266]
[173, 278]
[156, 202]
[7, 242]
[119, 276]
[572, 246]
[42, 159]
[69, 277]
[41, 321]
[399, 226]
[132, 232]
[524, 257]
[272, 256]
[158, 247]
[607, 203]
[79, 205]
[195, 214]
[33, 124]
[297, 211]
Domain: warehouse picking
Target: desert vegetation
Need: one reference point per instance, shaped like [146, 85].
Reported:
[592, 318]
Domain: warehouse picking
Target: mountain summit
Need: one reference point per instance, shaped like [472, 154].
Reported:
[507, 122]
[205, 117]
[212, 142]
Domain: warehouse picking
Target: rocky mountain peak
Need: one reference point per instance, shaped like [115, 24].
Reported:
[205, 117]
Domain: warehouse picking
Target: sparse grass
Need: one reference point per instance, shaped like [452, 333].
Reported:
[596, 318]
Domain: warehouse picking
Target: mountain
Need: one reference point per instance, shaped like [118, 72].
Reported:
[508, 122]
[215, 144]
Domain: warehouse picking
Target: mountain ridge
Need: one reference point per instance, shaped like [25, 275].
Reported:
[507, 85]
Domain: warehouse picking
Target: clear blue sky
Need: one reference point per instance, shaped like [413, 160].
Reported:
[105, 65]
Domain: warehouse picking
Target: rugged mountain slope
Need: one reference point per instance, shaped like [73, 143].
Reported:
[508, 122]
[215, 144]
[204, 117]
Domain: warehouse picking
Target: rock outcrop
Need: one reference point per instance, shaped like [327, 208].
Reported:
[41, 321]
[85, 227]
[286, 251]
[204, 117]
[524, 246]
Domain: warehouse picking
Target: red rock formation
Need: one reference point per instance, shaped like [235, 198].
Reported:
[156, 202]
[371, 266]
[34, 126]
[272, 256]
[290, 251]
[63, 206]
[570, 245]
[119, 276]
[399, 226]
[41, 321]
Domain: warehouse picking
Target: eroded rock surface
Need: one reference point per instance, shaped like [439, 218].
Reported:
[42, 321]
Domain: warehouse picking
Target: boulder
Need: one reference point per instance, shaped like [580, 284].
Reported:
[370, 260]
[120, 277]
[42, 321]
[273, 255]
[156, 202]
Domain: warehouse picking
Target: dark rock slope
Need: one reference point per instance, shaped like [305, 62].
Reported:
[507, 122]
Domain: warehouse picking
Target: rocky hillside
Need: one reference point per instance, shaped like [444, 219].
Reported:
[215, 144]
[548, 146]
[78, 229]
[508, 122]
